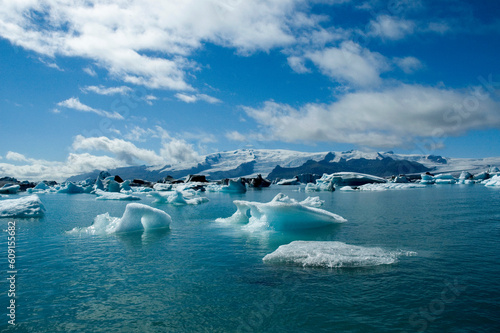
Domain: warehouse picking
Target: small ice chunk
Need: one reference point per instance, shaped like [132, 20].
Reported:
[162, 187]
[493, 181]
[71, 188]
[233, 186]
[30, 206]
[178, 198]
[10, 189]
[101, 195]
[282, 213]
[137, 217]
[332, 255]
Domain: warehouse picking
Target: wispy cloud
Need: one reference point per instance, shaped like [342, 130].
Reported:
[102, 90]
[197, 97]
[75, 104]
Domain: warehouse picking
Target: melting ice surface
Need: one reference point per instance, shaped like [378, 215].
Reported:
[136, 217]
[29, 206]
[283, 213]
[332, 255]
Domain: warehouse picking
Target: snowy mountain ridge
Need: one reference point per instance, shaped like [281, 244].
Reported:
[281, 163]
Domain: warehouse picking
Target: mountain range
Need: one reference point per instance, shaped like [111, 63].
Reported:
[278, 163]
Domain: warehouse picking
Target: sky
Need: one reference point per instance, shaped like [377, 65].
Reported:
[100, 84]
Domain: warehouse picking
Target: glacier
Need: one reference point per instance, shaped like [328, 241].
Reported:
[332, 254]
[283, 213]
[29, 206]
[137, 217]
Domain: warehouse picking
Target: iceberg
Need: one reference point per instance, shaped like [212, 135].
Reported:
[162, 187]
[137, 217]
[30, 206]
[332, 255]
[101, 195]
[493, 181]
[292, 181]
[71, 188]
[350, 179]
[178, 198]
[10, 189]
[427, 179]
[283, 213]
[389, 186]
[233, 186]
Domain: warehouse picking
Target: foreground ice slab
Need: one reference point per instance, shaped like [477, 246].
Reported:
[283, 213]
[30, 206]
[332, 255]
[137, 217]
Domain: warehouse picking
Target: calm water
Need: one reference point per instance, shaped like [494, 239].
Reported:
[203, 276]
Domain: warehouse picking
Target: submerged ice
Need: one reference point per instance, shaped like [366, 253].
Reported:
[30, 206]
[137, 217]
[332, 255]
[283, 213]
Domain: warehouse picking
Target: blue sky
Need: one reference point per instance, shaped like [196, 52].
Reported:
[102, 84]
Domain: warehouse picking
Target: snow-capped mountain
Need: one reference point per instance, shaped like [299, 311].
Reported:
[277, 163]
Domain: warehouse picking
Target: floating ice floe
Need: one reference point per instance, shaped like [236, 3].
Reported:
[493, 181]
[283, 213]
[178, 198]
[71, 188]
[426, 179]
[162, 187]
[332, 255]
[233, 186]
[389, 186]
[101, 195]
[445, 178]
[30, 206]
[137, 217]
[10, 189]
[349, 179]
[292, 181]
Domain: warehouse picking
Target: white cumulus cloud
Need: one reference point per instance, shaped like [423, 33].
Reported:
[393, 117]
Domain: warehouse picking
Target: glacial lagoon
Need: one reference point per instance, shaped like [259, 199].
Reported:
[406, 260]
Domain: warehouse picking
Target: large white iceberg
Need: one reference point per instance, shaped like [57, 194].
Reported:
[137, 217]
[283, 213]
[30, 206]
[178, 198]
[332, 255]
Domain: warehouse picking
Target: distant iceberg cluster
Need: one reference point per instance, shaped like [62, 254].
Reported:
[137, 217]
[283, 213]
[29, 206]
[332, 255]
[487, 178]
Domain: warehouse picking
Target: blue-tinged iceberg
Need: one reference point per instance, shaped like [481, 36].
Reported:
[30, 206]
[178, 198]
[71, 188]
[332, 255]
[137, 217]
[283, 213]
[233, 186]
[493, 181]
[101, 195]
[9, 189]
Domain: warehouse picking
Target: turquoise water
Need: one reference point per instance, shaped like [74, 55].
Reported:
[204, 276]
